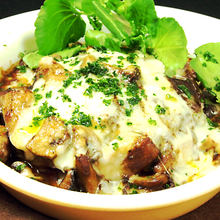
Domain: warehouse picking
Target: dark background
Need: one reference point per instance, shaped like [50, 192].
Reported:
[10, 208]
[208, 7]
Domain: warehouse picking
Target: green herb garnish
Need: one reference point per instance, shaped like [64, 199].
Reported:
[22, 69]
[185, 90]
[160, 110]
[20, 167]
[152, 122]
[209, 73]
[132, 24]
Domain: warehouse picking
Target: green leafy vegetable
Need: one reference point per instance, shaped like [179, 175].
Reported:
[96, 24]
[58, 23]
[101, 39]
[140, 13]
[207, 66]
[32, 59]
[133, 25]
[69, 52]
[169, 44]
[22, 69]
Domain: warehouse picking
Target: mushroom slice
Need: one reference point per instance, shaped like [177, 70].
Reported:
[70, 181]
[155, 181]
[12, 103]
[86, 173]
[4, 148]
[24, 169]
[141, 156]
[52, 134]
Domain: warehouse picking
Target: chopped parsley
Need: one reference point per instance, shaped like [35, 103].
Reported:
[76, 62]
[102, 126]
[160, 110]
[185, 90]
[37, 97]
[129, 123]
[22, 68]
[121, 102]
[49, 94]
[217, 87]
[108, 86]
[107, 102]
[46, 111]
[170, 97]
[152, 122]
[128, 112]
[120, 57]
[134, 191]
[132, 89]
[103, 59]
[20, 167]
[80, 118]
[209, 57]
[115, 146]
[70, 80]
[143, 93]
[94, 68]
[36, 121]
[131, 58]
[212, 123]
[120, 138]
[134, 100]
[66, 98]
[75, 84]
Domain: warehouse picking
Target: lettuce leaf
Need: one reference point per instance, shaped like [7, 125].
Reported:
[101, 39]
[133, 25]
[207, 66]
[140, 13]
[57, 24]
[169, 44]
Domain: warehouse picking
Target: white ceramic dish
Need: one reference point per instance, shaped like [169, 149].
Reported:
[17, 36]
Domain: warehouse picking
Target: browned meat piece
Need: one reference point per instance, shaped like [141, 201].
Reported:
[140, 157]
[155, 181]
[133, 72]
[70, 181]
[12, 103]
[212, 111]
[52, 133]
[4, 148]
[165, 164]
[67, 181]
[189, 90]
[87, 175]
[53, 71]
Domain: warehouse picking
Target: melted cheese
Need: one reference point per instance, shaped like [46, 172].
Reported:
[180, 129]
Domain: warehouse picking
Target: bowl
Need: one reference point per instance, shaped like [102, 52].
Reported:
[18, 35]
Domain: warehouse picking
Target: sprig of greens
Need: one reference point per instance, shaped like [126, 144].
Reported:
[207, 66]
[133, 25]
[58, 24]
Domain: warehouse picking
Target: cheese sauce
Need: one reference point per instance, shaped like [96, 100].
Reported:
[117, 116]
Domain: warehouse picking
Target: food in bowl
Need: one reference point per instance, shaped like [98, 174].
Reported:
[105, 121]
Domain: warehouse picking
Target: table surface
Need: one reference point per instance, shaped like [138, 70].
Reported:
[10, 208]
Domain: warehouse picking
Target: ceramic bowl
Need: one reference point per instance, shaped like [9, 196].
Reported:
[17, 34]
